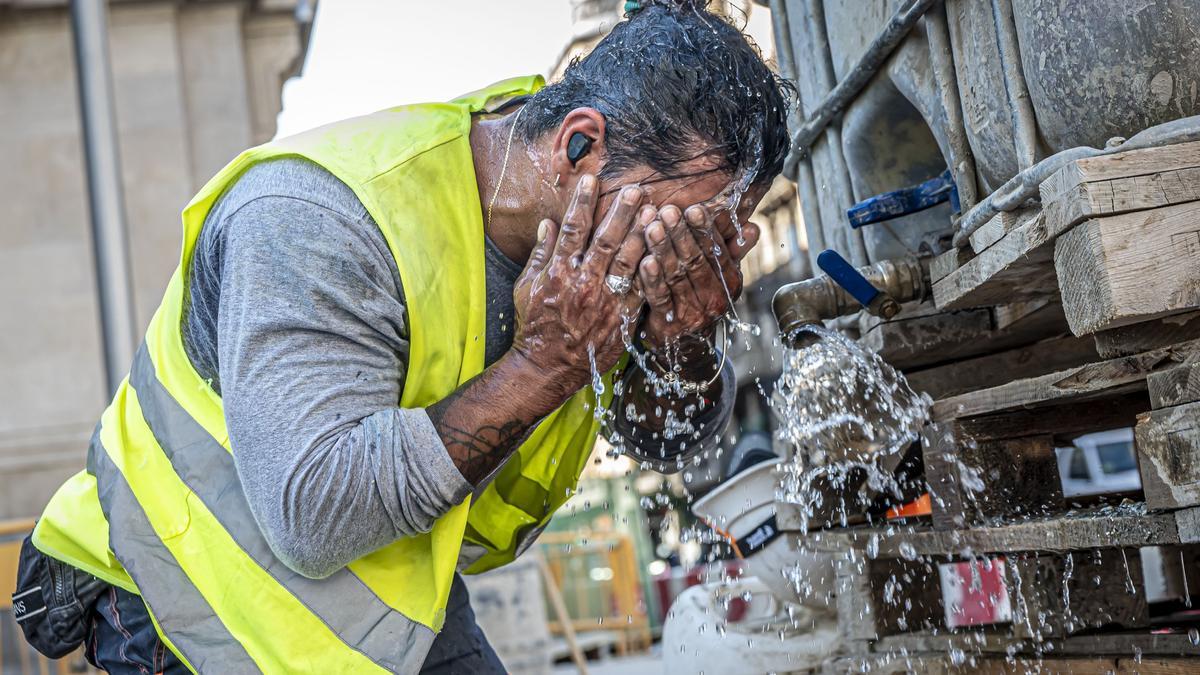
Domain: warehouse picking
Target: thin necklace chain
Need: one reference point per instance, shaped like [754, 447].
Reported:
[504, 166]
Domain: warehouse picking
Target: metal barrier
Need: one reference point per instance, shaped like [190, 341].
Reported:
[598, 579]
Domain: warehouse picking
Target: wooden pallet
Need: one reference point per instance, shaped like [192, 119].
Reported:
[1112, 253]
[1116, 237]
[1053, 549]
[1090, 599]
[927, 664]
[1007, 433]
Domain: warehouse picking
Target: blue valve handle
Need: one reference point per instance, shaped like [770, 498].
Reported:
[907, 200]
[843, 274]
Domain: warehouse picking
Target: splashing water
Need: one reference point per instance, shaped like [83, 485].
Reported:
[597, 383]
[1187, 592]
[1068, 571]
[849, 417]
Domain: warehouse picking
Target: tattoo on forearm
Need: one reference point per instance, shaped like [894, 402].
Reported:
[478, 452]
[482, 423]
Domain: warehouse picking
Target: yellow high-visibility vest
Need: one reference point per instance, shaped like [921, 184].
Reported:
[160, 510]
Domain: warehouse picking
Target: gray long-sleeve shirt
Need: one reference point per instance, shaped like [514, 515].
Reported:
[296, 315]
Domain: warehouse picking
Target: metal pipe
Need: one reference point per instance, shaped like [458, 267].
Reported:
[814, 300]
[806, 184]
[783, 39]
[868, 64]
[1023, 122]
[836, 177]
[803, 175]
[941, 60]
[1024, 186]
[89, 21]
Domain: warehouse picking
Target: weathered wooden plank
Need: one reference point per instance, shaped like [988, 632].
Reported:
[1059, 534]
[1065, 420]
[1122, 195]
[1017, 267]
[1129, 268]
[905, 596]
[943, 474]
[1143, 162]
[1036, 603]
[922, 336]
[941, 266]
[1122, 644]
[855, 608]
[1115, 376]
[1001, 224]
[972, 481]
[1020, 477]
[1059, 595]
[1187, 524]
[1142, 337]
[1019, 312]
[900, 663]
[913, 338]
[995, 369]
[1175, 386]
[1104, 588]
[1168, 447]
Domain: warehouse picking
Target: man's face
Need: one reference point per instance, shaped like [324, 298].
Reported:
[700, 182]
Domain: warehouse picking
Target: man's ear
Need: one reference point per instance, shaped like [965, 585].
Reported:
[569, 158]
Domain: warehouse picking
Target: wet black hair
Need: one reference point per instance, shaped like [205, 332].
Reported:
[674, 82]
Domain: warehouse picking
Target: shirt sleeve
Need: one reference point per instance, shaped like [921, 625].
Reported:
[313, 348]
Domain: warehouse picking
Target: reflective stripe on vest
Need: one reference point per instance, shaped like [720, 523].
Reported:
[364, 622]
[195, 630]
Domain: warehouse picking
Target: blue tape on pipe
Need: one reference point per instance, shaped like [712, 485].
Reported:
[902, 202]
[845, 275]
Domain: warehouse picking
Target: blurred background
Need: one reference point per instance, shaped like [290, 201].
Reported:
[194, 82]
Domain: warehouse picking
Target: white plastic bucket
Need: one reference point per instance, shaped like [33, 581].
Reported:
[740, 509]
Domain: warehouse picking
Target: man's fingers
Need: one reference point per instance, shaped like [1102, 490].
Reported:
[577, 223]
[710, 264]
[659, 242]
[710, 244]
[613, 230]
[547, 235]
[686, 265]
[750, 233]
[683, 237]
[716, 250]
[655, 288]
[630, 253]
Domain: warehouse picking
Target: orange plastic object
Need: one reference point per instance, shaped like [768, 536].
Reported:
[921, 506]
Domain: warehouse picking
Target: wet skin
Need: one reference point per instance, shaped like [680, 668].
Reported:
[672, 235]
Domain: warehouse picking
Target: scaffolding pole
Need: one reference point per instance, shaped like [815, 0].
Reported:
[89, 22]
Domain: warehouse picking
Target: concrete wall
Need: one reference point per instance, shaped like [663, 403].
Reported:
[195, 84]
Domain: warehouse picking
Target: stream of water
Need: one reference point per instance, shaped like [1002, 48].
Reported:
[848, 417]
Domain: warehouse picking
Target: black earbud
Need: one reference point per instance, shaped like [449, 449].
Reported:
[578, 146]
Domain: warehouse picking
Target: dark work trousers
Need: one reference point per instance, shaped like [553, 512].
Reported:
[122, 639]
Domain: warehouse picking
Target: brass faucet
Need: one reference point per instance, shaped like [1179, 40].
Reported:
[880, 288]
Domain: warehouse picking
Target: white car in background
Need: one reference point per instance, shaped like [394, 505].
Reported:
[1099, 463]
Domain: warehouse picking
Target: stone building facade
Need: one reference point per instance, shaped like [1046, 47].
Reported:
[195, 83]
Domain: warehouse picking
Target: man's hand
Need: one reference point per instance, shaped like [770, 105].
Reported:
[692, 273]
[567, 316]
